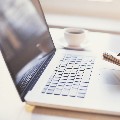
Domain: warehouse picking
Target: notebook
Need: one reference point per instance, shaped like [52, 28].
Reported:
[112, 57]
[50, 77]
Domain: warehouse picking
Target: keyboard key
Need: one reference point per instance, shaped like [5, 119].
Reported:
[81, 95]
[82, 92]
[70, 81]
[73, 92]
[49, 91]
[60, 87]
[67, 87]
[65, 92]
[55, 82]
[53, 85]
[77, 81]
[57, 91]
[69, 66]
[51, 88]
[84, 84]
[62, 81]
[69, 84]
[75, 86]
[82, 88]
[44, 90]
[55, 79]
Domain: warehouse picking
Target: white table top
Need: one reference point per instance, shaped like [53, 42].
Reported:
[11, 107]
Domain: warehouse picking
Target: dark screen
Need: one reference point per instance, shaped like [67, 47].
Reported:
[24, 34]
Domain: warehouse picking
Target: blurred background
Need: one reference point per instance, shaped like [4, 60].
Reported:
[95, 15]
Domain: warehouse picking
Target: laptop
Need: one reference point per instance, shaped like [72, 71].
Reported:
[50, 77]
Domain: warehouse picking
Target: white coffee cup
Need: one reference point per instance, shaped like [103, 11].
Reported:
[74, 36]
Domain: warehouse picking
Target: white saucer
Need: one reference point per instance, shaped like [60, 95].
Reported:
[62, 42]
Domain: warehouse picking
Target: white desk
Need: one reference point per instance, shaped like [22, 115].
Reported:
[11, 107]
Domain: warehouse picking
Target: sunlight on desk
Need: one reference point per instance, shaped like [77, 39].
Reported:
[17, 110]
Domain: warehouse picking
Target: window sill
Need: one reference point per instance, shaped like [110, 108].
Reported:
[89, 23]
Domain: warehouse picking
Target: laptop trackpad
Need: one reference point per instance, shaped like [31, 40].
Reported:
[110, 77]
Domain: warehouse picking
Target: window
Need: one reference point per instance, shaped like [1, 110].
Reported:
[103, 15]
[95, 8]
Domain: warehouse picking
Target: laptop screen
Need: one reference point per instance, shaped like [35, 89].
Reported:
[24, 34]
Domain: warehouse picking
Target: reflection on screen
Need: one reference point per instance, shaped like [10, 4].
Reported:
[23, 34]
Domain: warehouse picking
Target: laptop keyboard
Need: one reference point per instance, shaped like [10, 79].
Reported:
[71, 77]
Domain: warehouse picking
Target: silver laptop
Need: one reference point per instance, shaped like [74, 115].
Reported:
[50, 77]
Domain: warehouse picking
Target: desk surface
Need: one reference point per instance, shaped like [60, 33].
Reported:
[11, 107]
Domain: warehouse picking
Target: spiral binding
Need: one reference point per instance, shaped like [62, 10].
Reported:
[110, 58]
